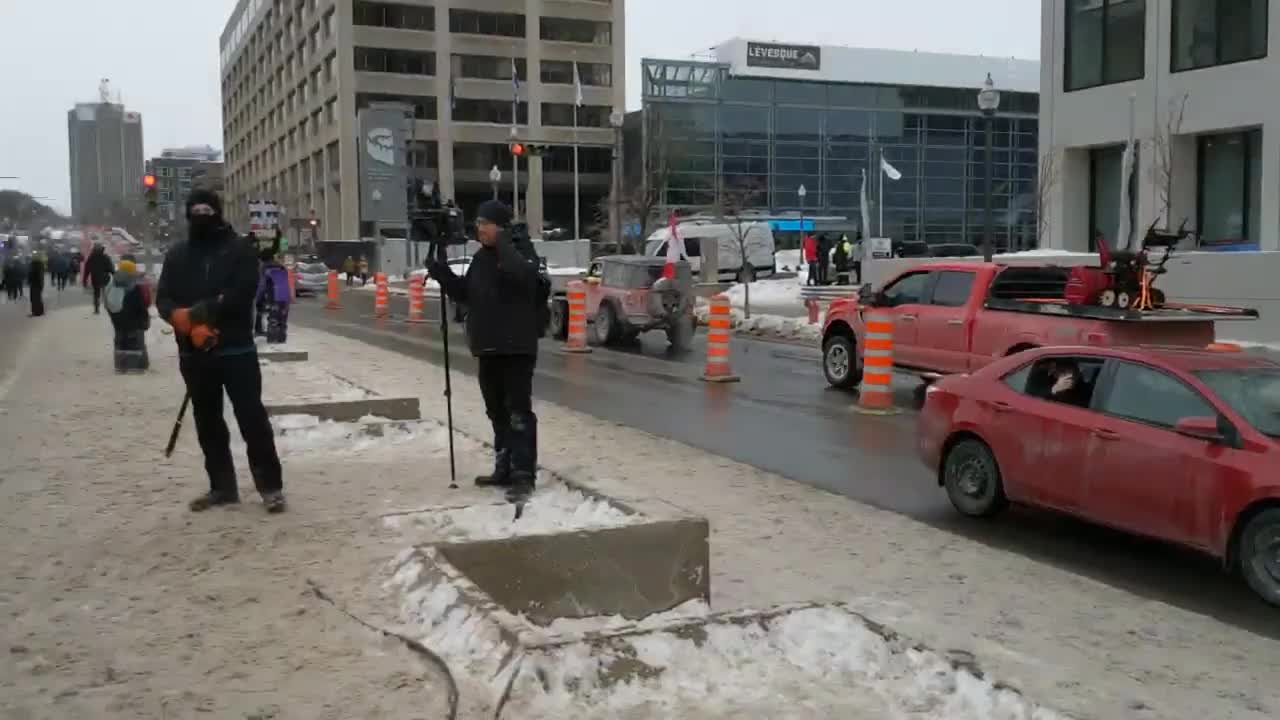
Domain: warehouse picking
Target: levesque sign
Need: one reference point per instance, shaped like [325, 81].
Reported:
[791, 57]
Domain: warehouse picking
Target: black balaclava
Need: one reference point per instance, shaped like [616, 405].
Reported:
[204, 227]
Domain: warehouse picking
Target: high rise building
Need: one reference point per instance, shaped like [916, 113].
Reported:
[105, 143]
[296, 73]
[178, 171]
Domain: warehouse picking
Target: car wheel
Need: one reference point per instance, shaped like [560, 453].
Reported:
[840, 363]
[559, 326]
[1259, 555]
[972, 479]
[604, 327]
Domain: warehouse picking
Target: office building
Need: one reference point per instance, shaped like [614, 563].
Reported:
[757, 121]
[105, 146]
[295, 74]
[178, 171]
[1194, 82]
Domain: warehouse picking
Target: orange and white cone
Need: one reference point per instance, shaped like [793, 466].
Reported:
[875, 394]
[333, 303]
[719, 331]
[576, 342]
[380, 295]
[417, 299]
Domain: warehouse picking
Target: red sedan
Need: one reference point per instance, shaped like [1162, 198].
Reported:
[1180, 445]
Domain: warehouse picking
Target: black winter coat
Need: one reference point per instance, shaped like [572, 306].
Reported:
[218, 279]
[98, 268]
[500, 291]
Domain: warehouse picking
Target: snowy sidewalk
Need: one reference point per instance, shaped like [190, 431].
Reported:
[1075, 644]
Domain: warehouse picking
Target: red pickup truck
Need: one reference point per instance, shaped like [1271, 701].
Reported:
[957, 317]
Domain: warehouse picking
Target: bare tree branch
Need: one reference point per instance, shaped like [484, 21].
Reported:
[732, 209]
[1161, 170]
[1046, 179]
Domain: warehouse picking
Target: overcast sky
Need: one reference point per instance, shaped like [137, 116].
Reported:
[163, 56]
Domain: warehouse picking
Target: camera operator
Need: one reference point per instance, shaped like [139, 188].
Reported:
[501, 290]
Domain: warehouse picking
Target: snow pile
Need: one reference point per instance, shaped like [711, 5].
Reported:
[781, 293]
[552, 509]
[788, 261]
[307, 433]
[302, 382]
[814, 662]
[797, 329]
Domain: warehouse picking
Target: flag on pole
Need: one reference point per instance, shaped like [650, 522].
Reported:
[675, 249]
[889, 170]
[866, 207]
[577, 86]
[1126, 170]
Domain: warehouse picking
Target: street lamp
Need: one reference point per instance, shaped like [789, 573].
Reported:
[616, 119]
[802, 192]
[495, 177]
[988, 103]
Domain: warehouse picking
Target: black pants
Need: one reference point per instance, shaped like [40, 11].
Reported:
[813, 273]
[97, 298]
[37, 300]
[207, 376]
[506, 381]
[277, 322]
[130, 349]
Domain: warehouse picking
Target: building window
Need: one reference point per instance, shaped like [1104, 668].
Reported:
[1217, 32]
[486, 23]
[488, 67]
[424, 108]
[1105, 167]
[489, 111]
[560, 72]
[1106, 42]
[561, 115]
[422, 154]
[184, 172]
[388, 60]
[331, 112]
[1229, 187]
[577, 31]
[328, 24]
[393, 15]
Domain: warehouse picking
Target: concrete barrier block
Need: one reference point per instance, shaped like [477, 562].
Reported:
[277, 356]
[351, 410]
[633, 571]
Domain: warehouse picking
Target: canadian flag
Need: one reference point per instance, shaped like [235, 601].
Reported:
[675, 249]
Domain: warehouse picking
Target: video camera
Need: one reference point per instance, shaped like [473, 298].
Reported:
[439, 226]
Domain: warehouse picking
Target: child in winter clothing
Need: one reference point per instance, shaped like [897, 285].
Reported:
[128, 301]
[274, 298]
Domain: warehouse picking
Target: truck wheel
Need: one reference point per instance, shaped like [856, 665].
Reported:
[558, 328]
[1259, 555]
[605, 327]
[680, 333]
[972, 479]
[840, 363]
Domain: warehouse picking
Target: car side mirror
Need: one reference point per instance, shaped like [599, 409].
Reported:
[1201, 428]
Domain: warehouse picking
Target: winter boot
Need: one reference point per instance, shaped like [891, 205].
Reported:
[273, 502]
[212, 499]
[521, 487]
[501, 476]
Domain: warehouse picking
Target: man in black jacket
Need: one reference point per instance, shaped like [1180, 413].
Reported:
[500, 290]
[97, 272]
[207, 292]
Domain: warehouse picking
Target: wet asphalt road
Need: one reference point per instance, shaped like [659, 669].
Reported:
[782, 418]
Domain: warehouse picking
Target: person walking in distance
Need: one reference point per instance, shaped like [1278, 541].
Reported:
[500, 290]
[35, 278]
[363, 267]
[349, 269]
[809, 248]
[97, 272]
[206, 292]
[128, 300]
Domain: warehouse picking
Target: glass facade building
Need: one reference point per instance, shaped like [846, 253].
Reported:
[712, 137]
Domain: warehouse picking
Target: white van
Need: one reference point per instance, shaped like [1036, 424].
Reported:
[696, 234]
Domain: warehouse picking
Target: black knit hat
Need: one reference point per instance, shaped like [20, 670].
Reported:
[204, 197]
[495, 212]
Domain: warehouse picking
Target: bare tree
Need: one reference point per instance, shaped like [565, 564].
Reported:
[734, 202]
[1161, 169]
[1046, 179]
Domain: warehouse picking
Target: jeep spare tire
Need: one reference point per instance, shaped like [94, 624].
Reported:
[680, 333]
[558, 328]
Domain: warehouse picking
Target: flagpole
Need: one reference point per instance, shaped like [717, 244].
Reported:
[881, 202]
[577, 213]
[515, 159]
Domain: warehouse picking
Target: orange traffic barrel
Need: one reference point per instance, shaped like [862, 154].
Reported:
[876, 391]
[718, 334]
[576, 341]
[417, 299]
[333, 303]
[380, 294]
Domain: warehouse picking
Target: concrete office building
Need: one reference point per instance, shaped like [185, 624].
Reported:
[178, 171]
[1202, 79]
[774, 117]
[105, 147]
[296, 72]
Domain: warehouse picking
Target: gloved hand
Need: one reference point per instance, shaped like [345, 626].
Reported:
[180, 319]
[203, 337]
[204, 313]
[437, 269]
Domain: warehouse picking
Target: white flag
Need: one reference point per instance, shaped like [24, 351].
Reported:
[515, 81]
[866, 207]
[1126, 171]
[577, 86]
[889, 170]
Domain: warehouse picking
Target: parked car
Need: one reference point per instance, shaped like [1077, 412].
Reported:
[312, 277]
[958, 316]
[1175, 444]
[757, 239]
[628, 295]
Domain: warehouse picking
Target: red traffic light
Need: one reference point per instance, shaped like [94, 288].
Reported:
[149, 181]
[517, 149]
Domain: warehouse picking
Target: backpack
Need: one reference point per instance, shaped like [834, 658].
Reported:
[115, 298]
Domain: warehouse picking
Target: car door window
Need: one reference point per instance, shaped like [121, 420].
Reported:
[1066, 379]
[952, 288]
[907, 290]
[1151, 396]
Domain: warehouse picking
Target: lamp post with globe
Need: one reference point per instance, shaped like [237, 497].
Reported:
[988, 103]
